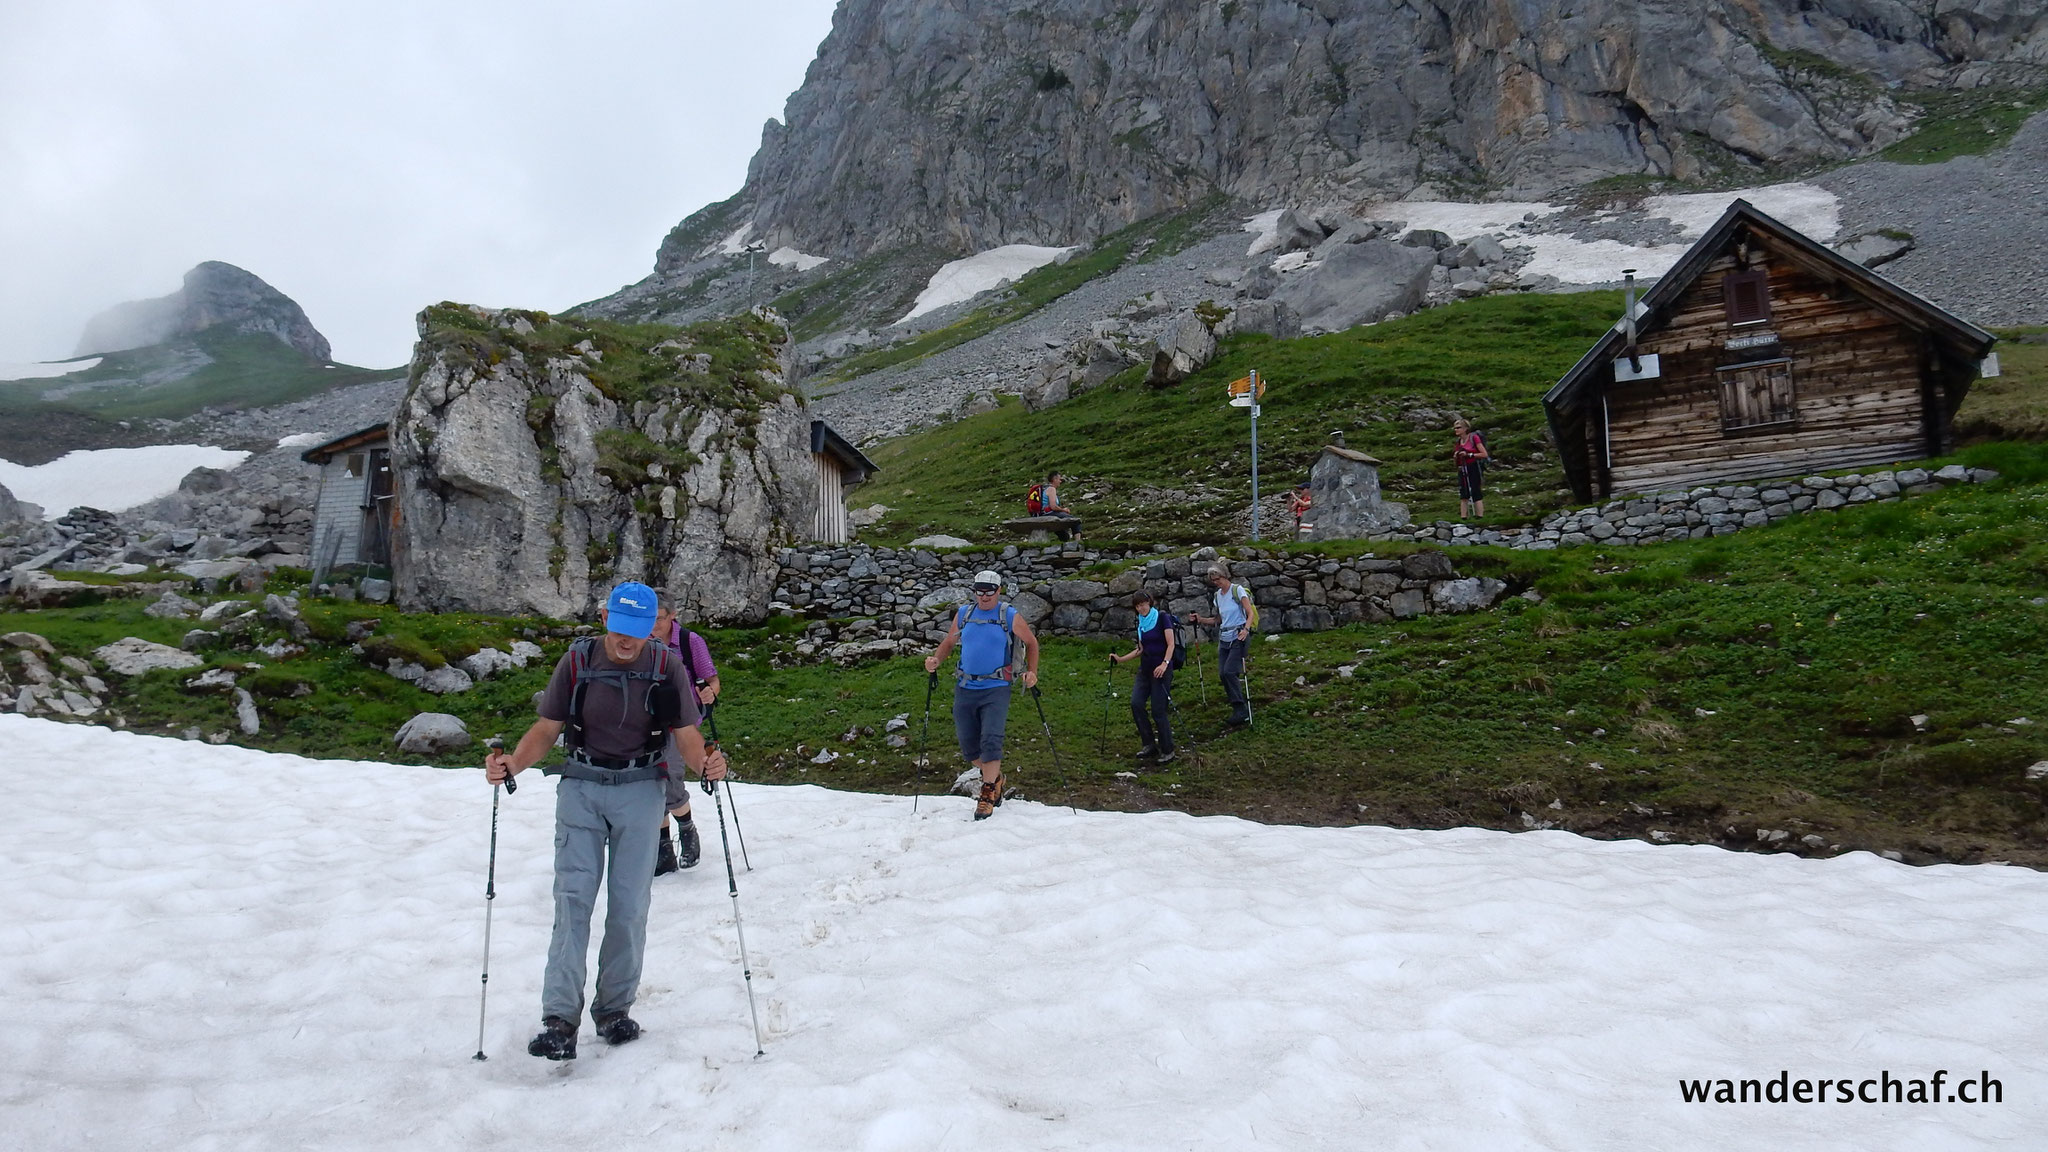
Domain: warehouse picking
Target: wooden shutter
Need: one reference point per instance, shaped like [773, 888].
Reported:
[1757, 395]
[1748, 296]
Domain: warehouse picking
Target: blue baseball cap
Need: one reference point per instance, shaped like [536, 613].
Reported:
[630, 610]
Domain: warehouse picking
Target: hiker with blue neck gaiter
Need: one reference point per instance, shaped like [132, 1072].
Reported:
[1150, 701]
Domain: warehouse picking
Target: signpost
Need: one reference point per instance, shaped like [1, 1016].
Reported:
[1246, 392]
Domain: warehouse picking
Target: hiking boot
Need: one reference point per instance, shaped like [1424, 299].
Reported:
[991, 797]
[1167, 756]
[1147, 752]
[557, 1039]
[1238, 721]
[665, 854]
[689, 849]
[617, 1028]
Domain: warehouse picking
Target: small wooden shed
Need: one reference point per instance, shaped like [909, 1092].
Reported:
[840, 466]
[356, 510]
[1763, 353]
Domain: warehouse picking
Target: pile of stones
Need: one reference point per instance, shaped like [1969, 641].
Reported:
[1704, 511]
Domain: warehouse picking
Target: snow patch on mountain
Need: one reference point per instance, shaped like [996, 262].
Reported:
[965, 279]
[46, 370]
[802, 262]
[111, 479]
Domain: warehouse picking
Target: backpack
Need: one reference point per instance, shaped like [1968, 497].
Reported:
[681, 647]
[1180, 644]
[1034, 500]
[1251, 606]
[661, 712]
[1006, 619]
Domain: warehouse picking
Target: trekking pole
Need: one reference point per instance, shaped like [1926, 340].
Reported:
[1201, 677]
[1054, 749]
[931, 683]
[711, 719]
[732, 887]
[1108, 694]
[490, 896]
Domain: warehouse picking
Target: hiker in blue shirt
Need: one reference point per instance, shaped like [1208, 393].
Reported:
[988, 632]
[1152, 687]
[1233, 622]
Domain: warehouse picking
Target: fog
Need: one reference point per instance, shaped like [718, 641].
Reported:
[370, 158]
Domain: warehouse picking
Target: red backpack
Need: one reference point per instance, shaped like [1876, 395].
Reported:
[1034, 500]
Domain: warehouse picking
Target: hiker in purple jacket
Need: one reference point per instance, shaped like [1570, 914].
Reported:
[685, 849]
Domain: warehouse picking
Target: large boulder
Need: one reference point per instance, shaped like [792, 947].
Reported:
[540, 462]
[431, 734]
[1358, 284]
[1185, 347]
[14, 511]
[132, 656]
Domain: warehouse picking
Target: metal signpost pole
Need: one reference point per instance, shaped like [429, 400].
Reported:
[1255, 453]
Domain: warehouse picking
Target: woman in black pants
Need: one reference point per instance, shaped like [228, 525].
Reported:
[1149, 695]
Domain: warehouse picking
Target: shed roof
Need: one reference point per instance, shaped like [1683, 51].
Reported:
[827, 442]
[362, 438]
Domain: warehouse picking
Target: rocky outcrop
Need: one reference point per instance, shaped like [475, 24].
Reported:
[215, 295]
[1345, 503]
[542, 460]
[926, 122]
[14, 511]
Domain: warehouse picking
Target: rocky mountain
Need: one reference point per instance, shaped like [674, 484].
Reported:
[546, 459]
[215, 296]
[965, 127]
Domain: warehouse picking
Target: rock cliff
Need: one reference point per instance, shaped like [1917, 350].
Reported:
[215, 295]
[966, 126]
[540, 460]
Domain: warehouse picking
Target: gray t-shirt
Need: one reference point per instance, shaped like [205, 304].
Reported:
[615, 724]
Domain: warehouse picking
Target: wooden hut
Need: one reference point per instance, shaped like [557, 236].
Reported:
[1762, 353]
[356, 510]
[840, 466]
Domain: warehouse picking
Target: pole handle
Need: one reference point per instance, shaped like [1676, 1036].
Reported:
[497, 744]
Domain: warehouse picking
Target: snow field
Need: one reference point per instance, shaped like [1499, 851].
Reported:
[45, 370]
[211, 947]
[967, 278]
[111, 479]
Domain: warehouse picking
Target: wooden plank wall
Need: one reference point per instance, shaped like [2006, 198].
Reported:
[829, 526]
[1856, 374]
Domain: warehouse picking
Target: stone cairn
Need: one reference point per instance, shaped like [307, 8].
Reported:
[873, 602]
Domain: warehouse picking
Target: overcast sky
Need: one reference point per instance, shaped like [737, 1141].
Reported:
[371, 157]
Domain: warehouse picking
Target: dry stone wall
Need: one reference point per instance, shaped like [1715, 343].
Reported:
[868, 601]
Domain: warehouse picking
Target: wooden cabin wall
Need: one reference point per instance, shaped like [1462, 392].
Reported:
[1857, 380]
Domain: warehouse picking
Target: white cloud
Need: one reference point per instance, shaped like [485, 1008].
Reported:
[368, 159]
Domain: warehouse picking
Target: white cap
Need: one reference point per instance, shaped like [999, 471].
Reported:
[988, 576]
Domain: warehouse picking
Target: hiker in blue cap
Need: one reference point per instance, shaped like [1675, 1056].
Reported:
[616, 701]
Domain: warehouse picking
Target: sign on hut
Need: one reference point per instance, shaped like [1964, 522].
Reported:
[1762, 353]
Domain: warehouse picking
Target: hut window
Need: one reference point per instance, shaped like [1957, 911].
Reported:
[1748, 295]
[353, 467]
[1757, 395]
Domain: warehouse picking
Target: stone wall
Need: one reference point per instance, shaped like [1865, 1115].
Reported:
[1705, 511]
[879, 601]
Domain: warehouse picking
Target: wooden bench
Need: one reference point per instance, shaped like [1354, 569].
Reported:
[1045, 529]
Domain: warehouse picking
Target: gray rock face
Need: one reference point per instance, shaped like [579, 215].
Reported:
[13, 511]
[214, 295]
[1187, 346]
[537, 482]
[1358, 284]
[432, 733]
[1016, 121]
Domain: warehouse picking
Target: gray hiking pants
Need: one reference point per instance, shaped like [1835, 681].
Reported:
[1230, 670]
[596, 824]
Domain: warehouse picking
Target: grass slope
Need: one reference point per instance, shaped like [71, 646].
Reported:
[1968, 122]
[1702, 690]
[1125, 444]
[1490, 359]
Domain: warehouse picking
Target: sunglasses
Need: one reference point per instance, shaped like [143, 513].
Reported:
[986, 589]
